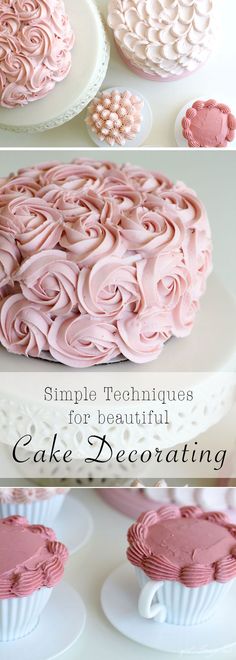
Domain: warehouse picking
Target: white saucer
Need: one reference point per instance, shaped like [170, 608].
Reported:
[180, 139]
[73, 525]
[119, 598]
[90, 56]
[61, 624]
[144, 130]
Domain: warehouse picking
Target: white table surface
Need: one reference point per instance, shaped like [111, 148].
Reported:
[87, 571]
[213, 80]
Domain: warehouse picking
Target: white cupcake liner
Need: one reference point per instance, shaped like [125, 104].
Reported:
[187, 606]
[20, 616]
[37, 512]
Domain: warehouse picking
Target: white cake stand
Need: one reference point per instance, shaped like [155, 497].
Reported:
[61, 624]
[180, 139]
[90, 57]
[119, 598]
[207, 356]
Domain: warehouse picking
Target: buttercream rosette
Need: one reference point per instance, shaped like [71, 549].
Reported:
[36, 40]
[99, 262]
[163, 39]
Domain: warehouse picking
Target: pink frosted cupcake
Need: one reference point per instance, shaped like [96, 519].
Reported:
[208, 124]
[38, 505]
[185, 562]
[31, 564]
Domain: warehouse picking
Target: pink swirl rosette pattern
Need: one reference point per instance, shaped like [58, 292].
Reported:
[171, 559]
[35, 49]
[99, 261]
[40, 562]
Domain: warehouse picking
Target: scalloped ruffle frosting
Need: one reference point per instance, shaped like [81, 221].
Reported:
[175, 543]
[36, 40]
[18, 495]
[31, 557]
[99, 261]
[209, 124]
[223, 498]
[166, 38]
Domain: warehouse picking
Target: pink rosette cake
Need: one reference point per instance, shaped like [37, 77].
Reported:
[209, 124]
[185, 561]
[99, 262]
[31, 564]
[38, 505]
[36, 40]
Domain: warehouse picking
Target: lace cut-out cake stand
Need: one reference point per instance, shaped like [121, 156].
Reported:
[90, 56]
[209, 351]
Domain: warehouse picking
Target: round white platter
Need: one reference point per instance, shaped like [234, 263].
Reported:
[73, 525]
[61, 624]
[180, 139]
[145, 129]
[90, 57]
[119, 598]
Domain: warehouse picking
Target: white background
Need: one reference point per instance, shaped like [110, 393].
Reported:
[214, 80]
[211, 174]
[87, 570]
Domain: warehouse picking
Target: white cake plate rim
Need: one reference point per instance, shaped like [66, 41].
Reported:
[77, 535]
[119, 597]
[51, 638]
[61, 104]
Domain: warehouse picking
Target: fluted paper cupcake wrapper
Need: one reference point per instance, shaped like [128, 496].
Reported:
[20, 616]
[187, 606]
[37, 512]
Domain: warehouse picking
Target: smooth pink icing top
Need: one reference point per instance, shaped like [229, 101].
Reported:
[184, 544]
[35, 42]
[99, 260]
[209, 124]
[30, 557]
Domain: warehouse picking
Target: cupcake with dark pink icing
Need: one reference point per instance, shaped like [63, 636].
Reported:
[185, 562]
[38, 505]
[208, 124]
[31, 564]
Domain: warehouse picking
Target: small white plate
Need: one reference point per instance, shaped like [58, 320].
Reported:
[61, 624]
[119, 598]
[73, 525]
[90, 56]
[180, 139]
[144, 130]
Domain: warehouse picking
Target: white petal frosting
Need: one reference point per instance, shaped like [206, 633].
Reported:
[163, 37]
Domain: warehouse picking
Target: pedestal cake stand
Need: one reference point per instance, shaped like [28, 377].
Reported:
[207, 356]
[90, 56]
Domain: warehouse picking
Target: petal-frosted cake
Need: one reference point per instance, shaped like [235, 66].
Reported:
[99, 261]
[36, 40]
[163, 39]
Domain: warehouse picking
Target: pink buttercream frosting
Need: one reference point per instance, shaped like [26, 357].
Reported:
[30, 557]
[18, 495]
[184, 544]
[98, 261]
[36, 40]
[209, 124]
